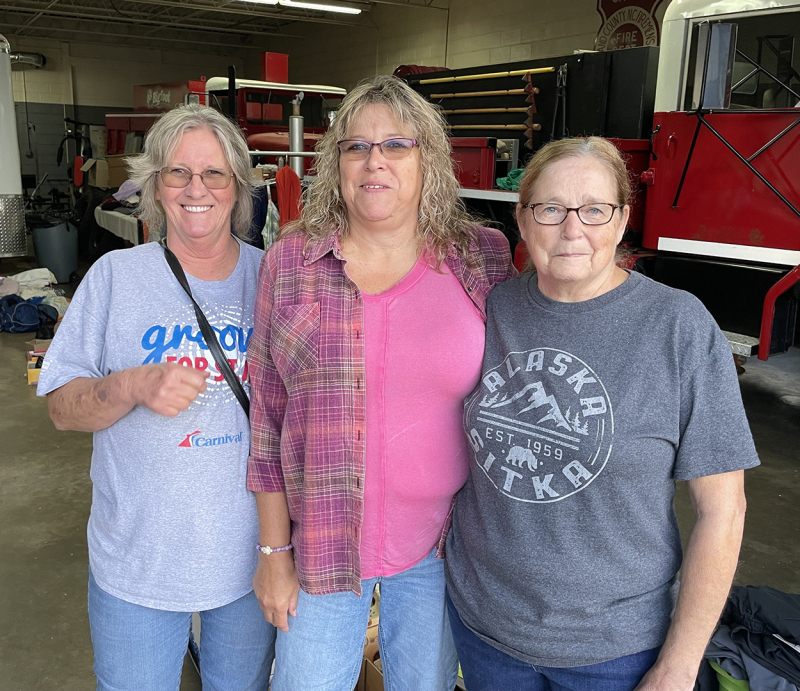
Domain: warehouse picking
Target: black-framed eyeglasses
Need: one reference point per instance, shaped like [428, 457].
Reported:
[397, 147]
[548, 214]
[181, 177]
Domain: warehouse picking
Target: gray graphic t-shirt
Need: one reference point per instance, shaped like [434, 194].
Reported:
[172, 525]
[565, 547]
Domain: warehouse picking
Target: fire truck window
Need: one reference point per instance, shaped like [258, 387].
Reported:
[218, 100]
[773, 41]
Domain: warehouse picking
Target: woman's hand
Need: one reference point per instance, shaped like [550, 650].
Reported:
[166, 388]
[276, 588]
[660, 679]
[91, 404]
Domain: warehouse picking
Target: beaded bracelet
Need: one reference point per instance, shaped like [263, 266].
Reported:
[270, 550]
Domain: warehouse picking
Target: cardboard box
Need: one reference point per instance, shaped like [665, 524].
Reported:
[37, 348]
[98, 139]
[370, 678]
[96, 171]
[117, 170]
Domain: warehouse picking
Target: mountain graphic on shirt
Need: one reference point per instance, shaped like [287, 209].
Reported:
[536, 398]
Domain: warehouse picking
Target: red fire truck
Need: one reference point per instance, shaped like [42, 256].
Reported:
[709, 123]
[722, 207]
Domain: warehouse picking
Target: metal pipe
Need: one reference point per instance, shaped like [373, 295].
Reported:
[35, 59]
[768, 312]
[12, 211]
[686, 165]
[753, 170]
[232, 92]
[464, 111]
[487, 75]
[536, 126]
[283, 153]
[774, 139]
[296, 144]
[469, 94]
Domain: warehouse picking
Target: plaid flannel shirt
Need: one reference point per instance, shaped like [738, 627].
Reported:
[308, 407]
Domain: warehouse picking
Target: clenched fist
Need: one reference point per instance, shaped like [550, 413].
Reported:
[166, 388]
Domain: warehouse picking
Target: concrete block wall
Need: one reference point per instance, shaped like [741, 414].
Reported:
[386, 37]
[99, 74]
[478, 32]
[485, 32]
[40, 129]
[84, 81]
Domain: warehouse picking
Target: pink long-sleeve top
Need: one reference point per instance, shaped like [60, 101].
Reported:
[424, 341]
[308, 406]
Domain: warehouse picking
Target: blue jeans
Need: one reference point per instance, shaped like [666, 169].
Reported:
[139, 648]
[487, 669]
[324, 646]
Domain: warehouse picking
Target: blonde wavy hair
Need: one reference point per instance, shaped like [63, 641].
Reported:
[160, 144]
[443, 219]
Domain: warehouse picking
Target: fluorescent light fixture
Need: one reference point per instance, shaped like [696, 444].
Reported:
[261, 2]
[320, 7]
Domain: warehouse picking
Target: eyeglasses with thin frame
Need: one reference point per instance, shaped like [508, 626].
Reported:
[181, 177]
[549, 214]
[395, 148]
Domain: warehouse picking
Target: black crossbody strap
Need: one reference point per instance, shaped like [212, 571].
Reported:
[208, 333]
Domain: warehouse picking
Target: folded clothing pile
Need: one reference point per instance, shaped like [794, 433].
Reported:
[758, 641]
[29, 303]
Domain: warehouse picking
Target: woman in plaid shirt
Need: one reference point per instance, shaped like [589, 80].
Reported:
[369, 333]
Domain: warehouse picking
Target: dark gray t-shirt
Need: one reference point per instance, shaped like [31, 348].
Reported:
[564, 546]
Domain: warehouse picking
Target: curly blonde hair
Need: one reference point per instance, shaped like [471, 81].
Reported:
[161, 142]
[443, 219]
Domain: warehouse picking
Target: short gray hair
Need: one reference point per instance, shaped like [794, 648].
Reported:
[160, 144]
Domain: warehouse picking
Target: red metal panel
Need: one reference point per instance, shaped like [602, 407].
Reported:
[275, 67]
[636, 153]
[142, 123]
[273, 111]
[116, 130]
[253, 111]
[768, 313]
[198, 88]
[723, 201]
[474, 160]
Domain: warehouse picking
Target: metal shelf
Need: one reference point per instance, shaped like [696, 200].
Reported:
[496, 195]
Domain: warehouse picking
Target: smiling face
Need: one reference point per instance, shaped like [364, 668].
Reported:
[379, 192]
[572, 257]
[196, 213]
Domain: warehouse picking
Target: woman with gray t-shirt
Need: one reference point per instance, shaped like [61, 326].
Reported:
[173, 529]
[600, 388]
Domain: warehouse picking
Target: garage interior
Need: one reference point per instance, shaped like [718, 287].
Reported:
[82, 63]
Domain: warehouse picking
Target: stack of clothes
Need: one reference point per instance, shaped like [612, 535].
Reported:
[28, 303]
[757, 645]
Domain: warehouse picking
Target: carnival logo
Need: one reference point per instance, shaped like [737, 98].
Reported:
[627, 24]
[195, 439]
[544, 425]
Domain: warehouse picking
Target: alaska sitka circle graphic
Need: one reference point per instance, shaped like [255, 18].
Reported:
[542, 425]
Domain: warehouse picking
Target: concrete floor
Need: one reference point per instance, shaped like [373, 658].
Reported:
[45, 495]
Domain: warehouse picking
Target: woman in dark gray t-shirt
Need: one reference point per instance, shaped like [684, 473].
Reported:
[600, 388]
